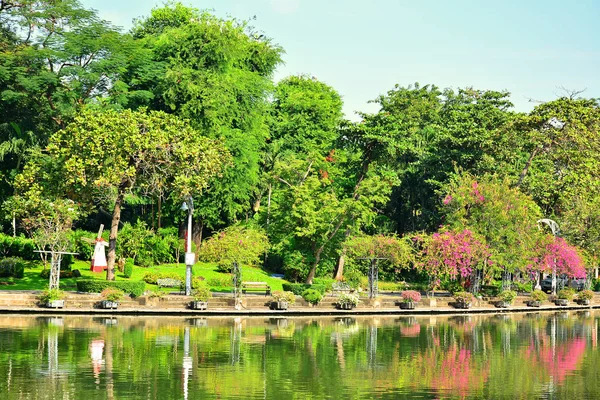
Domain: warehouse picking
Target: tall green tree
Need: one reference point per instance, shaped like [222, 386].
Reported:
[104, 155]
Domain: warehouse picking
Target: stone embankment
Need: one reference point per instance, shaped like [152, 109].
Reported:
[223, 304]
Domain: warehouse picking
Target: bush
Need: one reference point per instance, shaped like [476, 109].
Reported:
[353, 278]
[538, 295]
[128, 268]
[51, 295]
[151, 277]
[12, 267]
[585, 295]
[523, 287]
[220, 281]
[411, 296]
[145, 246]
[326, 282]
[112, 294]
[463, 297]
[197, 282]
[312, 296]
[202, 292]
[348, 298]
[97, 286]
[597, 285]
[45, 274]
[17, 247]
[566, 294]
[288, 297]
[299, 288]
[508, 296]
[391, 286]
[237, 243]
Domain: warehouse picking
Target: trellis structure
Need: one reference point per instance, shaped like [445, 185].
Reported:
[237, 285]
[373, 275]
[55, 260]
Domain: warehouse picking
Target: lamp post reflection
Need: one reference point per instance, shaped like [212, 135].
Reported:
[187, 362]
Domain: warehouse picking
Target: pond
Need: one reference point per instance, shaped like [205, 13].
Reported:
[533, 355]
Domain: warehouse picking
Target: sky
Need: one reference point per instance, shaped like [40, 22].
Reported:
[362, 48]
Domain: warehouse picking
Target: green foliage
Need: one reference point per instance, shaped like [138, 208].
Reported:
[463, 297]
[152, 277]
[538, 295]
[128, 268]
[507, 296]
[112, 294]
[596, 285]
[45, 273]
[585, 295]
[348, 298]
[146, 247]
[299, 288]
[566, 294]
[244, 245]
[17, 247]
[353, 278]
[288, 297]
[326, 282]
[202, 292]
[312, 296]
[523, 287]
[51, 295]
[91, 286]
[12, 267]
[221, 281]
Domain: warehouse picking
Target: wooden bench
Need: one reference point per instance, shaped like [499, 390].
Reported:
[341, 287]
[170, 282]
[256, 287]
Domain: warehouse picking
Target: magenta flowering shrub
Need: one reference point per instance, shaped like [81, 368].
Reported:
[411, 296]
[452, 254]
[567, 258]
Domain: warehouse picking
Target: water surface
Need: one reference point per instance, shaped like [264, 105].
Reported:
[538, 355]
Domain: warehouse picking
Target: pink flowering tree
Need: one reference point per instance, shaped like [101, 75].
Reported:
[557, 252]
[454, 255]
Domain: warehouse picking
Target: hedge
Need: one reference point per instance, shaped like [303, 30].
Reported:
[12, 266]
[92, 286]
[299, 288]
[17, 247]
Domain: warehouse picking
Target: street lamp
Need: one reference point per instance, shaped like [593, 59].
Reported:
[188, 205]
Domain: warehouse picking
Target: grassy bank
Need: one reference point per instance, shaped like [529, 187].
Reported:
[32, 280]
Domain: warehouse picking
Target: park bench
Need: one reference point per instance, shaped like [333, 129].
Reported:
[341, 287]
[256, 287]
[170, 282]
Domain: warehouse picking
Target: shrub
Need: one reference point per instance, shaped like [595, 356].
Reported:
[566, 294]
[151, 277]
[45, 274]
[348, 298]
[352, 277]
[241, 244]
[312, 296]
[411, 296]
[538, 295]
[585, 295]
[326, 282]
[17, 247]
[202, 292]
[597, 285]
[51, 295]
[299, 288]
[128, 268]
[508, 296]
[220, 281]
[197, 281]
[463, 297]
[288, 297]
[112, 294]
[523, 287]
[97, 286]
[391, 286]
[12, 267]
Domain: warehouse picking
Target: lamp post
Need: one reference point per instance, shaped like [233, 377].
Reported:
[188, 205]
[555, 231]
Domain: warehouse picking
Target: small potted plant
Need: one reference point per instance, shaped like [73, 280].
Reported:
[201, 296]
[584, 297]
[409, 299]
[463, 300]
[506, 298]
[564, 296]
[347, 301]
[537, 298]
[282, 300]
[53, 298]
[111, 298]
[312, 297]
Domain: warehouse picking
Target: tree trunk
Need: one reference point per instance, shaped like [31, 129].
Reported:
[197, 229]
[159, 211]
[339, 274]
[112, 241]
[313, 268]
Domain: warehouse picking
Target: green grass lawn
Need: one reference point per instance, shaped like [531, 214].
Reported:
[33, 281]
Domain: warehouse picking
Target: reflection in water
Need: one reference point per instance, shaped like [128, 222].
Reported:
[471, 356]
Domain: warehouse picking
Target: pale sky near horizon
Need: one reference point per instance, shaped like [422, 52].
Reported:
[363, 48]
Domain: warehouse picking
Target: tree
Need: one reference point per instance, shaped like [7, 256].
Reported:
[555, 252]
[504, 217]
[106, 154]
[454, 255]
[244, 245]
[216, 73]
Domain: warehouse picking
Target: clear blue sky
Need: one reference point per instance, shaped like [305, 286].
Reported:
[364, 47]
